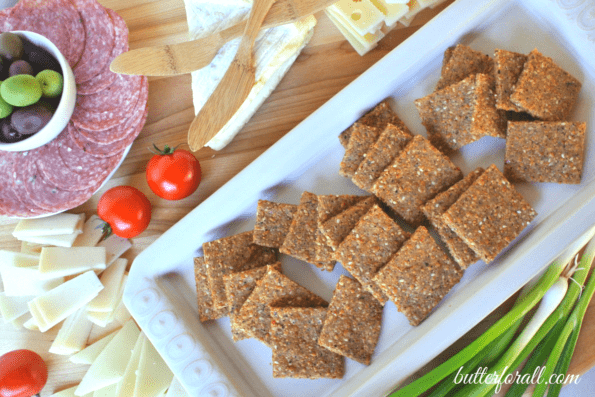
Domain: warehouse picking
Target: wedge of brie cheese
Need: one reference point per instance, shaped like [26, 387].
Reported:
[275, 51]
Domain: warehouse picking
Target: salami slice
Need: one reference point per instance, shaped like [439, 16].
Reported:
[21, 177]
[106, 76]
[48, 196]
[10, 204]
[117, 97]
[99, 31]
[76, 177]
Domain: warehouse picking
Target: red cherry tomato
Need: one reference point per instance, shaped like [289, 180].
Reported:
[126, 210]
[173, 174]
[22, 374]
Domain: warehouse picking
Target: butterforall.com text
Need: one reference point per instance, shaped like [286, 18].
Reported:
[482, 375]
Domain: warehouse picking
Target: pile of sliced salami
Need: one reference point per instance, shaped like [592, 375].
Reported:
[110, 111]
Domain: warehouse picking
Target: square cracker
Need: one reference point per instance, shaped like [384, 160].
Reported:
[229, 255]
[362, 137]
[462, 62]
[238, 287]
[509, 66]
[368, 247]
[418, 276]
[489, 215]
[206, 311]
[379, 117]
[339, 226]
[418, 173]
[544, 89]
[300, 242]
[435, 208]
[329, 206]
[354, 312]
[379, 156]
[462, 113]
[272, 223]
[296, 352]
[546, 151]
[274, 289]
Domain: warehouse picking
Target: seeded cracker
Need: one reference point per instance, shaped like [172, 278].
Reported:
[238, 287]
[371, 243]
[362, 137]
[353, 322]
[296, 352]
[509, 66]
[338, 227]
[274, 289]
[462, 113]
[462, 63]
[272, 223]
[418, 276]
[229, 255]
[434, 209]
[379, 117]
[389, 144]
[205, 300]
[545, 90]
[415, 176]
[300, 242]
[329, 206]
[547, 151]
[489, 215]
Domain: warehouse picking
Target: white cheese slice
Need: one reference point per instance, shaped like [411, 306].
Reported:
[31, 248]
[26, 281]
[392, 12]
[59, 224]
[275, 51]
[61, 262]
[151, 366]
[362, 16]
[69, 393]
[121, 314]
[114, 247]
[31, 324]
[92, 233]
[125, 386]
[362, 44]
[73, 334]
[110, 365]
[19, 322]
[101, 319]
[111, 278]
[176, 389]
[109, 391]
[91, 352]
[59, 303]
[13, 307]
[62, 240]
[18, 259]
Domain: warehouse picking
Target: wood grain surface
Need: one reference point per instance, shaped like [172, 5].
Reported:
[325, 66]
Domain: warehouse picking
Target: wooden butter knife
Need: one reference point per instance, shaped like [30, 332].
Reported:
[174, 59]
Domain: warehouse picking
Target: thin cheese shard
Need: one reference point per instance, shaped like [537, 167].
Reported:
[69, 393]
[18, 259]
[110, 365]
[13, 307]
[61, 262]
[55, 305]
[26, 281]
[176, 389]
[31, 325]
[73, 335]
[126, 385]
[62, 240]
[108, 391]
[114, 247]
[111, 279]
[151, 366]
[91, 352]
[59, 224]
[92, 233]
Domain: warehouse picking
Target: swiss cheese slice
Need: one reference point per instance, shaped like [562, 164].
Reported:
[26, 281]
[55, 305]
[92, 233]
[151, 366]
[61, 262]
[13, 307]
[59, 224]
[392, 12]
[126, 385]
[91, 352]
[114, 247]
[110, 365]
[73, 334]
[362, 44]
[176, 389]
[362, 16]
[111, 278]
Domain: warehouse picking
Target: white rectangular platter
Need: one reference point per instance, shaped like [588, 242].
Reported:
[161, 292]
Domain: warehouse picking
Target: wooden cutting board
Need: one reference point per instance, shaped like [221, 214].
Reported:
[325, 66]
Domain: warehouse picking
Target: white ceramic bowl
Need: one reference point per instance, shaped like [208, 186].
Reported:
[64, 110]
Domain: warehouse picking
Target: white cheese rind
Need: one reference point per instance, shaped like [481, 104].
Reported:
[92, 233]
[26, 281]
[59, 224]
[110, 365]
[111, 278]
[13, 307]
[91, 352]
[55, 305]
[73, 335]
[114, 247]
[62, 262]
[151, 366]
[126, 385]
